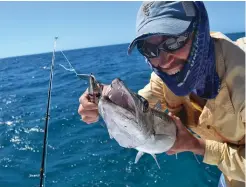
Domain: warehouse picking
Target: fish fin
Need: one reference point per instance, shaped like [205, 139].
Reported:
[111, 137]
[157, 106]
[176, 156]
[196, 158]
[152, 136]
[153, 155]
[102, 124]
[109, 132]
[139, 155]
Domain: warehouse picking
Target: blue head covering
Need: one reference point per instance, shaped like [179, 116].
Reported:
[199, 72]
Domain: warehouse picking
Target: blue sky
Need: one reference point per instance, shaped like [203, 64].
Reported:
[30, 27]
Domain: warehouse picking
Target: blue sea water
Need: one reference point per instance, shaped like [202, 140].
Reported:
[79, 155]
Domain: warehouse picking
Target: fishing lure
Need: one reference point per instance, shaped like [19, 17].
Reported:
[95, 87]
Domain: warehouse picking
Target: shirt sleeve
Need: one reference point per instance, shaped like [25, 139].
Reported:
[156, 91]
[230, 159]
[153, 92]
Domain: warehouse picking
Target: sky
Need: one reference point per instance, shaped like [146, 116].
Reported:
[30, 27]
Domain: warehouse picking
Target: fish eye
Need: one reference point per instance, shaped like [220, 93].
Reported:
[144, 103]
[145, 106]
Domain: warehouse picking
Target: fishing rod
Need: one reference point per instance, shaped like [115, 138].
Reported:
[42, 169]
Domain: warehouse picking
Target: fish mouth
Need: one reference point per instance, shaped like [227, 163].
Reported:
[120, 95]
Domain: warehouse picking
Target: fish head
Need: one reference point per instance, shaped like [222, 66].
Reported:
[126, 115]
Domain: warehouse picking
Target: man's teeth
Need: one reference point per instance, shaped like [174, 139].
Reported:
[174, 72]
[107, 91]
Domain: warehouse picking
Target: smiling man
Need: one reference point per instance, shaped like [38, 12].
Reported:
[197, 75]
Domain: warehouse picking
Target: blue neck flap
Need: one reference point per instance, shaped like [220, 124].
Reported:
[199, 72]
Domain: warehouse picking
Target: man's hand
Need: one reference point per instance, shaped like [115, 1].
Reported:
[89, 110]
[185, 141]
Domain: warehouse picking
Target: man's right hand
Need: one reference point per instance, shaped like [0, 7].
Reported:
[88, 110]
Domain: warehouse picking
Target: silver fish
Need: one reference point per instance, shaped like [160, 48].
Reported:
[133, 124]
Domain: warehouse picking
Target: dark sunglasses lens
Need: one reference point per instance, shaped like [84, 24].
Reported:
[140, 46]
[173, 43]
[148, 50]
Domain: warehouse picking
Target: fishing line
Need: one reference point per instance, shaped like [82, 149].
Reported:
[81, 76]
[43, 162]
[72, 69]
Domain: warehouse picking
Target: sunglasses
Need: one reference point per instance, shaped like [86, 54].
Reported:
[170, 44]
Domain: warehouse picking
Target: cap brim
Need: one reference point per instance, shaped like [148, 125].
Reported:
[171, 26]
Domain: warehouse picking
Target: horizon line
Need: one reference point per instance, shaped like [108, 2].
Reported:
[42, 53]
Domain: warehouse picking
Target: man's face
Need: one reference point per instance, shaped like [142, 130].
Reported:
[172, 62]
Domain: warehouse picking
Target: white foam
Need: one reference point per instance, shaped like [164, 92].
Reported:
[33, 175]
[8, 102]
[33, 129]
[15, 139]
[26, 148]
[9, 122]
[45, 67]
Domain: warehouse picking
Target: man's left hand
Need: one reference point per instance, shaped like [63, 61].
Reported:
[185, 141]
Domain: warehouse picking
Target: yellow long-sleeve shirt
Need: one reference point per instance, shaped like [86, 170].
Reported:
[221, 121]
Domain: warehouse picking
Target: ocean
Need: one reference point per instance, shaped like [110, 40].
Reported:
[79, 155]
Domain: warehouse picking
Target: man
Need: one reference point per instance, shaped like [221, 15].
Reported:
[196, 73]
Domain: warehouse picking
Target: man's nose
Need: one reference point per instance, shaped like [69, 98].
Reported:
[166, 60]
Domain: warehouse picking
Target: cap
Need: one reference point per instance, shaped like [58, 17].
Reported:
[164, 18]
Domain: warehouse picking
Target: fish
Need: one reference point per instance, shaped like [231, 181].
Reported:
[133, 123]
